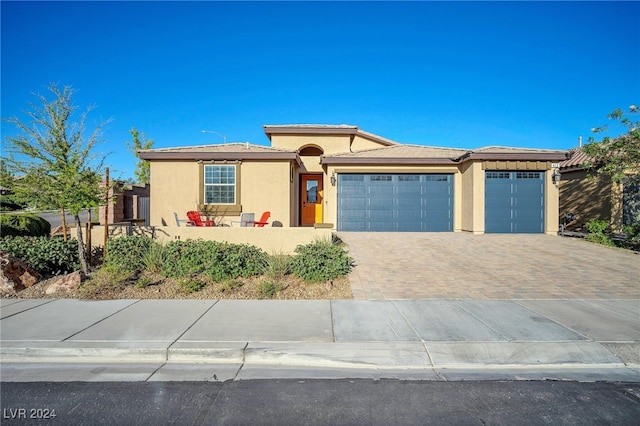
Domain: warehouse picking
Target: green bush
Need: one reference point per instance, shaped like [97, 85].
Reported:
[128, 252]
[597, 234]
[45, 255]
[8, 204]
[268, 289]
[633, 231]
[321, 261]
[278, 266]
[24, 225]
[218, 261]
[191, 285]
[153, 259]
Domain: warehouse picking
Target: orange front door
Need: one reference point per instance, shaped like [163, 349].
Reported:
[311, 197]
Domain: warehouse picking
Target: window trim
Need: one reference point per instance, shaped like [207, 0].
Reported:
[219, 209]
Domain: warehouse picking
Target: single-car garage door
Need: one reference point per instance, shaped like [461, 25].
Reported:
[514, 202]
[395, 202]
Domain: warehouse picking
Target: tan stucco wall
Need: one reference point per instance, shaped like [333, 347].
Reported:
[174, 188]
[330, 144]
[587, 198]
[472, 205]
[551, 204]
[264, 186]
[271, 240]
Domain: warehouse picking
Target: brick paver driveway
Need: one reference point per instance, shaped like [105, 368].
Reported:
[497, 266]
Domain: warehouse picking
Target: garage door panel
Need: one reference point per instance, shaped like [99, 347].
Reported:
[396, 202]
[514, 202]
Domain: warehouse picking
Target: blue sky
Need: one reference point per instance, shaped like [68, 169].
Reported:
[455, 74]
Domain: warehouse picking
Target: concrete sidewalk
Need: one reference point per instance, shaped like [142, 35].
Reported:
[73, 340]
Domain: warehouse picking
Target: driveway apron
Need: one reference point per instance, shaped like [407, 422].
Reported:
[492, 266]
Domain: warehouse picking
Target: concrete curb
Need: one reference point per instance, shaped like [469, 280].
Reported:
[335, 355]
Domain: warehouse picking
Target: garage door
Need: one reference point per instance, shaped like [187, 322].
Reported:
[514, 202]
[395, 202]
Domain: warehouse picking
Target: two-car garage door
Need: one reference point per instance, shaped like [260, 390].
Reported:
[395, 202]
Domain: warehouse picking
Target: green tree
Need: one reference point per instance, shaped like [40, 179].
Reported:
[143, 169]
[617, 157]
[54, 157]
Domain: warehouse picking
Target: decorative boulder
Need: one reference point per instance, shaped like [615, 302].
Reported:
[15, 275]
[66, 283]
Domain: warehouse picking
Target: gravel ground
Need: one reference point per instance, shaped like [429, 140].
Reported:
[98, 287]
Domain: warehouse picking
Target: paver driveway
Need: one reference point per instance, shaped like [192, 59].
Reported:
[494, 266]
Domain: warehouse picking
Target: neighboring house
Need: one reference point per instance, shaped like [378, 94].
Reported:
[127, 204]
[594, 197]
[357, 181]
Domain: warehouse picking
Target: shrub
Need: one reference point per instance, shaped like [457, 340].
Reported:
[633, 231]
[8, 203]
[45, 255]
[218, 261]
[191, 285]
[321, 261]
[278, 266]
[153, 259]
[24, 225]
[128, 252]
[229, 285]
[268, 289]
[597, 234]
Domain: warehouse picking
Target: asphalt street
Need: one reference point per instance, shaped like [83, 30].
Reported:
[321, 402]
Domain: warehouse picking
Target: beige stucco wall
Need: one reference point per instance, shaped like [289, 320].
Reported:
[472, 205]
[330, 144]
[588, 199]
[174, 188]
[264, 186]
[552, 205]
[271, 240]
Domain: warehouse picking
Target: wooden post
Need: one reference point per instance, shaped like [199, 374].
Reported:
[106, 221]
[89, 226]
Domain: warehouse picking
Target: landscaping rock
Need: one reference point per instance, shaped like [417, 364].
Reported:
[15, 275]
[66, 283]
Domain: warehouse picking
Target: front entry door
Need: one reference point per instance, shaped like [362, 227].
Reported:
[311, 198]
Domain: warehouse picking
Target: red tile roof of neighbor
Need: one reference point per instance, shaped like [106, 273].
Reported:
[575, 161]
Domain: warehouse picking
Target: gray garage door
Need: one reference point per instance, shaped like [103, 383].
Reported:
[395, 202]
[514, 202]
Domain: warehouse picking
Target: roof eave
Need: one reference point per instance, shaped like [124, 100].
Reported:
[309, 130]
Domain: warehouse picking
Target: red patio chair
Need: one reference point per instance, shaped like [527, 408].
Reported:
[263, 220]
[194, 217]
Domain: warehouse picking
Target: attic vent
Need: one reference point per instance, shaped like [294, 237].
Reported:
[311, 151]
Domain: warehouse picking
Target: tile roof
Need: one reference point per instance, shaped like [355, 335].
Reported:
[513, 150]
[220, 148]
[578, 157]
[404, 151]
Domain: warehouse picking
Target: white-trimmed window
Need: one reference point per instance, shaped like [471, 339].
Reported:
[220, 184]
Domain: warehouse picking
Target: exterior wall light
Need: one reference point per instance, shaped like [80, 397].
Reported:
[333, 178]
[555, 177]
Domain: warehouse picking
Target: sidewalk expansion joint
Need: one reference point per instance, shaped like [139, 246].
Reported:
[100, 320]
[190, 327]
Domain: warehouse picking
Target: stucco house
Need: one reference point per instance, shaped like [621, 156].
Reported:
[342, 177]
